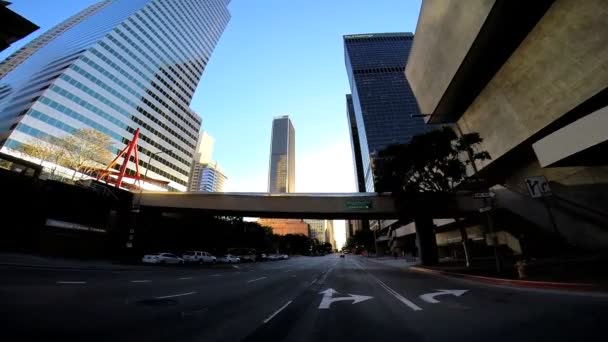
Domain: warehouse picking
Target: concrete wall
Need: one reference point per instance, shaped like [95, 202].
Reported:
[445, 32]
[562, 62]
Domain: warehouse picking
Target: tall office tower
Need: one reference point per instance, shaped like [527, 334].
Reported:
[14, 26]
[317, 229]
[124, 65]
[382, 100]
[355, 144]
[30, 48]
[329, 234]
[282, 169]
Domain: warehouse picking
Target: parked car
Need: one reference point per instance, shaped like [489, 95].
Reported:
[229, 259]
[273, 257]
[162, 258]
[199, 257]
[283, 256]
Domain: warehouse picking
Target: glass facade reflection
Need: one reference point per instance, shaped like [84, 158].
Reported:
[282, 172]
[115, 67]
[382, 99]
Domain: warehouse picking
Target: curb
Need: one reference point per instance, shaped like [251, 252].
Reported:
[512, 282]
[71, 267]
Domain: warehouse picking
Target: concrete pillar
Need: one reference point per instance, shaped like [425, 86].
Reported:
[425, 239]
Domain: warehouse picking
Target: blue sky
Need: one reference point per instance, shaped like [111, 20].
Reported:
[276, 57]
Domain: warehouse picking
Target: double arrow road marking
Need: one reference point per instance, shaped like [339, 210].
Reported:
[328, 298]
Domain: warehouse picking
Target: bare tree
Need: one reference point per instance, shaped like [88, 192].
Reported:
[87, 149]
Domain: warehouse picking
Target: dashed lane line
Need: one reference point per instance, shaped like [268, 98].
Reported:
[176, 295]
[252, 280]
[185, 278]
[71, 282]
[140, 281]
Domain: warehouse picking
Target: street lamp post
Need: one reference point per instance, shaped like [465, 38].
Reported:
[148, 168]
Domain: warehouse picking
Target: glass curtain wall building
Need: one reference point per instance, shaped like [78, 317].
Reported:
[207, 177]
[382, 100]
[118, 66]
[282, 169]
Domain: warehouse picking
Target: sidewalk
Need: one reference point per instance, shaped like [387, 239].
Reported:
[580, 274]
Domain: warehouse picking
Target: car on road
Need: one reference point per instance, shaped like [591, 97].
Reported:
[162, 258]
[342, 255]
[198, 257]
[229, 259]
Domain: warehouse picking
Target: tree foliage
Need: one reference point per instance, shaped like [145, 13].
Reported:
[432, 162]
[82, 151]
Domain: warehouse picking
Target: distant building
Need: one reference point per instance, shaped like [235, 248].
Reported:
[286, 226]
[282, 168]
[14, 26]
[382, 101]
[204, 148]
[317, 229]
[205, 175]
[329, 234]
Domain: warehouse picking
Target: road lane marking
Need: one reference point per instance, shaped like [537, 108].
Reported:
[276, 313]
[328, 298]
[216, 275]
[176, 295]
[71, 282]
[252, 280]
[185, 278]
[140, 281]
[395, 294]
[430, 297]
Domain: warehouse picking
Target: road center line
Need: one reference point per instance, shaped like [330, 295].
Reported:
[71, 282]
[140, 281]
[185, 278]
[252, 280]
[395, 294]
[175, 295]
[276, 313]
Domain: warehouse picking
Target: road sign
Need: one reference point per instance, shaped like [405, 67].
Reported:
[538, 186]
[430, 297]
[484, 209]
[328, 298]
[484, 195]
[359, 204]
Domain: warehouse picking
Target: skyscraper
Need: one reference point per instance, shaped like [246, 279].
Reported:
[204, 148]
[355, 144]
[382, 100]
[282, 172]
[115, 67]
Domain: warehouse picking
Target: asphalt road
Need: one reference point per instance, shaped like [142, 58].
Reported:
[301, 299]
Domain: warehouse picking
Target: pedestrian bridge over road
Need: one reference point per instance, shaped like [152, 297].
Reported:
[312, 205]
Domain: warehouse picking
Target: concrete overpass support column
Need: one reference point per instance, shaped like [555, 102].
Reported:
[425, 239]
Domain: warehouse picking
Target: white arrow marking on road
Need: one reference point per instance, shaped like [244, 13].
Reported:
[328, 298]
[430, 297]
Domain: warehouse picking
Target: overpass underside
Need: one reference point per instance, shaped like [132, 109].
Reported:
[366, 206]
